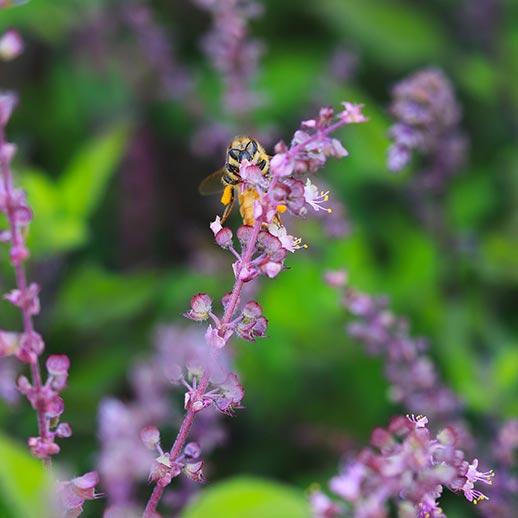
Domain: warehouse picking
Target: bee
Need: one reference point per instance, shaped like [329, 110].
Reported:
[228, 180]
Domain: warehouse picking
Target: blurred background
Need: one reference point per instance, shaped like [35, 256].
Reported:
[125, 106]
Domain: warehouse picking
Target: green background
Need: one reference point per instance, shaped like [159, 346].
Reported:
[103, 295]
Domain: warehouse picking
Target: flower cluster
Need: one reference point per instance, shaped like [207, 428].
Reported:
[264, 245]
[223, 390]
[287, 190]
[72, 494]
[427, 117]
[414, 381]
[47, 401]
[156, 52]
[231, 52]
[164, 467]
[408, 466]
[125, 461]
[27, 346]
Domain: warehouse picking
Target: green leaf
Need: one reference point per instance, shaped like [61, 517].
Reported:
[52, 229]
[394, 33]
[61, 209]
[84, 181]
[250, 498]
[92, 297]
[23, 483]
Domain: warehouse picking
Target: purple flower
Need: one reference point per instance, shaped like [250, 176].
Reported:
[201, 305]
[314, 198]
[426, 116]
[229, 394]
[217, 338]
[11, 45]
[408, 466]
[336, 278]
[231, 52]
[73, 494]
[411, 373]
[322, 506]
[264, 245]
[150, 436]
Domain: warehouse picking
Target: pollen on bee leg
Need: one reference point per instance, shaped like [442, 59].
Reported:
[281, 209]
[226, 197]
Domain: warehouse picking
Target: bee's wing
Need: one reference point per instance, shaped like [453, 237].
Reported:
[212, 184]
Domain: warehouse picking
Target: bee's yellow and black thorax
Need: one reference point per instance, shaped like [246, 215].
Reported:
[243, 148]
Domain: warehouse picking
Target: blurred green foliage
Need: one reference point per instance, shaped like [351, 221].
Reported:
[62, 208]
[249, 497]
[76, 125]
[23, 483]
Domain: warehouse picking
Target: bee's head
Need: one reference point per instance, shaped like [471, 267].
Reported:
[242, 148]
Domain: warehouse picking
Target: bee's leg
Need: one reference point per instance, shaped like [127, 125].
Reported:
[227, 199]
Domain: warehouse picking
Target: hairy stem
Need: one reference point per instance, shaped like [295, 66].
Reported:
[188, 419]
[21, 281]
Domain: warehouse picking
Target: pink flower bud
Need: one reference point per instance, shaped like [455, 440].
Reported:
[352, 113]
[282, 165]
[269, 243]
[244, 233]
[201, 305]
[7, 103]
[9, 343]
[42, 449]
[194, 471]
[215, 339]
[246, 272]
[381, 439]
[150, 436]
[224, 238]
[64, 431]
[58, 364]
[252, 310]
[192, 450]
[18, 254]
[87, 482]
[24, 385]
[336, 278]
[11, 45]
[271, 269]
[54, 407]
[7, 150]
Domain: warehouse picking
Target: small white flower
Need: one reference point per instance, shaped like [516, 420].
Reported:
[215, 226]
[315, 198]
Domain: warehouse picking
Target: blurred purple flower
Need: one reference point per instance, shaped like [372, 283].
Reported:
[128, 430]
[8, 375]
[11, 45]
[73, 494]
[232, 53]
[427, 117]
[414, 381]
[408, 466]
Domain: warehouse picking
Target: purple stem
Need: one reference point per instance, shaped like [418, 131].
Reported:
[188, 420]
[21, 283]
